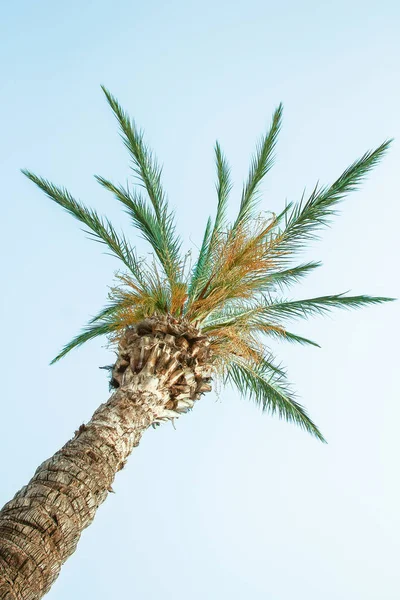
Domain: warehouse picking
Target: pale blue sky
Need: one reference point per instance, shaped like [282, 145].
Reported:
[232, 504]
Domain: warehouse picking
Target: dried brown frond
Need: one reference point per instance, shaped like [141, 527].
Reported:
[178, 297]
[241, 259]
[234, 342]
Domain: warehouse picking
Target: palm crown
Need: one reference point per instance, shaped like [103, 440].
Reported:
[234, 292]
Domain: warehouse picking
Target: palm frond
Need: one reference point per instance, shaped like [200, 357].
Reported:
[288, 277]
[285, 335]
[200, 268]
[136, 304]
[239, 264]
[203, 266]
[260, 165]
[224, 186]
[267, 317]
[251, 319]
[270, 391]
[292, 309]
[100, 228]
[305, 218]
[113, 308]
[148, 171]
[228, 317]
[90, 332]
[142, 218]
[266, 362]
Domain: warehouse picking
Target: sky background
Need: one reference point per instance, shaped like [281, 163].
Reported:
[232, 504]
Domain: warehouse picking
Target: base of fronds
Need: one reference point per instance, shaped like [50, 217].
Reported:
[171, 351]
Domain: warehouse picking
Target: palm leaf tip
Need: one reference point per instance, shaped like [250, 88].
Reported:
[90, 332]
[288, 277]
[270, 390]
[201, 268]
[261, 163]
[223, 186]
[292, 337]
[307, 217]
[99, 228]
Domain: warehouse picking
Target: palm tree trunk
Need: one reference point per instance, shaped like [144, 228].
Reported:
[158, 376]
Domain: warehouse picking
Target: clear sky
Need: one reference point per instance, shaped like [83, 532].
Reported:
[232, 504]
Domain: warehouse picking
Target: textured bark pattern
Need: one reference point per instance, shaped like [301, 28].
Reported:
[162, 368]
[172, 349]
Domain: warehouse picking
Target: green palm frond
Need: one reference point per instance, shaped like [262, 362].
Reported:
[270, 391]
[266, 317]
[90, 332]
[99, 228]
[147, 223]
[288, 277]
[292, 309]
[252, 320]
[275, 281]
[200, 268]
[306, 218]
[109, 311]
[224, 186]
[285, 335]
[267, 363]
[148, 171]
[261, 163]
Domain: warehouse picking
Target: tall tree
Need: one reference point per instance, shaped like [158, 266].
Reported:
[175, 329]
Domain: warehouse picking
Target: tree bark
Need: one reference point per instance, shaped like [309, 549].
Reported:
[159, 375]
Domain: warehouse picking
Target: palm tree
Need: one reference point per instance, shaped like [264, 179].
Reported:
[175, 328]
